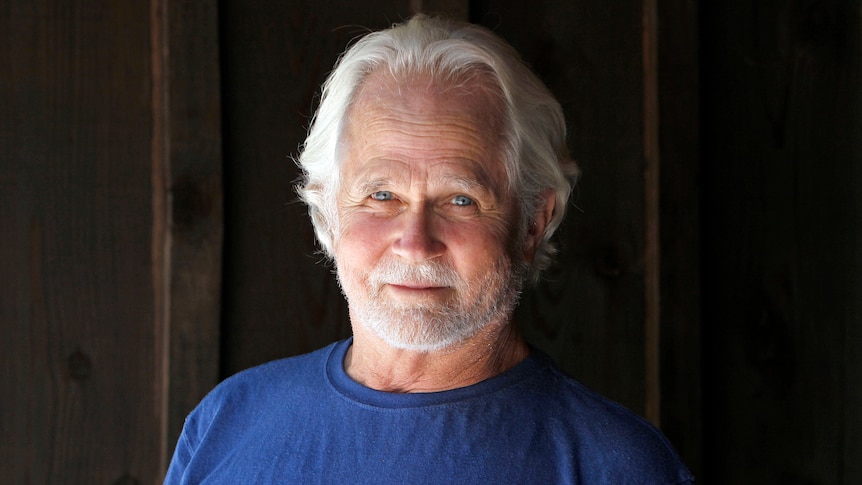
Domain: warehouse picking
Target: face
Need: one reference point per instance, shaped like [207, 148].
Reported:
[424, 249]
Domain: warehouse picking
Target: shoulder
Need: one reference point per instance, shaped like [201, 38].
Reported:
[246, 404]
[245, 394]
[287, 371]
[608, 437]
[282, 370]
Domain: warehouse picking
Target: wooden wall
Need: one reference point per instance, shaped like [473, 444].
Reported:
[782, 232]
[81, 386]
[151, 243]
[110, 256]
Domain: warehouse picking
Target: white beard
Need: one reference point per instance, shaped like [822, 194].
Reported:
[431, 326]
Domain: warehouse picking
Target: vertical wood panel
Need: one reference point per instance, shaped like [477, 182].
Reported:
[852, 391]
[652, 222]
[781, 151]
[161, 241]
[679, 221]
[78, 346]
[193, 166]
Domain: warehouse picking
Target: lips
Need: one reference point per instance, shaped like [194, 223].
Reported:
[414, 293]
[414, 289]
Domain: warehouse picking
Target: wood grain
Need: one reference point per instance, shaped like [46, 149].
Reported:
[75, 204]
[195, 197]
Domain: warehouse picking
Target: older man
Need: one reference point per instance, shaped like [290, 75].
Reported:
[434, 175]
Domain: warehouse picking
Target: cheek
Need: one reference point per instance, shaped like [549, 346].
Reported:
[361, 239]
[474, 246]
[470, 236]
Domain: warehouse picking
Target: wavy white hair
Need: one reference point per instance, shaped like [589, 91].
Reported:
[534, 151]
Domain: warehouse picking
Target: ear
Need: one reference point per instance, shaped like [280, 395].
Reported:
[538, 223]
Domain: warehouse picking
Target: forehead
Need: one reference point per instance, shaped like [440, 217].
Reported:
[399, 125]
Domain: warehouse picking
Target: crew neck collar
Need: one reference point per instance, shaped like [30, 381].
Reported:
[352, 390]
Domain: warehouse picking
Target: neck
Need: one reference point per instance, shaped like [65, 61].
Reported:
[375, 364]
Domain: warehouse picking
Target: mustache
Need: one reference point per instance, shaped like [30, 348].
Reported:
[431, 273]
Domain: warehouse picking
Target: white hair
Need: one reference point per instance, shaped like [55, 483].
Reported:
[534, 132]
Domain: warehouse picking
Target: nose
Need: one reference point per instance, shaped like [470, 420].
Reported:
[416, 241]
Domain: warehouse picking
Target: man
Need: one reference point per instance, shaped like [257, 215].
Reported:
[434, 176]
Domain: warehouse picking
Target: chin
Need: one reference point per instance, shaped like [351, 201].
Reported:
[423, 333]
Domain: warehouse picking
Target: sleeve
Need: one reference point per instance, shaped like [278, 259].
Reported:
[181, 458]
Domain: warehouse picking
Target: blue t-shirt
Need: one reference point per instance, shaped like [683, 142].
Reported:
[304, 420]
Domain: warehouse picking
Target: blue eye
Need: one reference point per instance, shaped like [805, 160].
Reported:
[382, 195]
[462, 200]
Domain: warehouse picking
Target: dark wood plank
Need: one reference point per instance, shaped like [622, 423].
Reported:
[78, 347]
[651, 214]
[195, 197]
[781, 139]
[679, 228]
[161, 220]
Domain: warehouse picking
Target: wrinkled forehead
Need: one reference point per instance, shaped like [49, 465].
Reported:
[419, 115]
[473, 93]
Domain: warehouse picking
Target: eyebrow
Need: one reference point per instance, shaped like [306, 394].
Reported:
[467, 183]
[371, 185]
